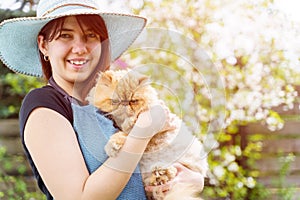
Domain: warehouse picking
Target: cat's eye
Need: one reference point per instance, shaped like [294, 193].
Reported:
[134, 102]
[115, 101]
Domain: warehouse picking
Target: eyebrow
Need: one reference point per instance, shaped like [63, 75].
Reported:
[67, 29]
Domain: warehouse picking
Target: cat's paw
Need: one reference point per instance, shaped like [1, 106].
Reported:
[115, 143]
[160, 175]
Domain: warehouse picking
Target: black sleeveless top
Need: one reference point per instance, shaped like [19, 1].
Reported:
[52, 98]
[46, 97]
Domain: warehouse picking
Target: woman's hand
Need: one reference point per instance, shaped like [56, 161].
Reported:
[184, 175]
[149, 122]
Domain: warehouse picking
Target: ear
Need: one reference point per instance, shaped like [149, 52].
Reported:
[42, 44]
[143, 79]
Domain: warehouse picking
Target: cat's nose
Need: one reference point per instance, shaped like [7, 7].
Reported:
[125, 103]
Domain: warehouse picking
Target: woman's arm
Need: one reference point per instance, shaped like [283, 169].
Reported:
[54, 148]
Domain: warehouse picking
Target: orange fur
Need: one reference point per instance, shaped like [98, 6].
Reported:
[124, 95]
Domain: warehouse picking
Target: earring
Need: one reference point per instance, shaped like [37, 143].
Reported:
[46, 58]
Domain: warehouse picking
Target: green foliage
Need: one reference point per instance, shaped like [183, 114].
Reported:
[8, 14]
[254, 67]
[13, 88]
[281, 188]
[13, 184]
[259, 192]
[285, 191]
[256, 79]
[230, 176]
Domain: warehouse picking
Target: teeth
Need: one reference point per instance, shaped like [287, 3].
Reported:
[77, 62]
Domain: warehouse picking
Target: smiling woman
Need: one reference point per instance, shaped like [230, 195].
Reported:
[69, 38]
[63, 136]
[71, 50]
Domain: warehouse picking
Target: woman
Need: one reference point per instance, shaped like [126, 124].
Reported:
[63, 145]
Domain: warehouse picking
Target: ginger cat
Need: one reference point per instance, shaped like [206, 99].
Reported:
[123, 95]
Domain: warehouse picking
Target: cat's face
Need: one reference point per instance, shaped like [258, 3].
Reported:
[122, 93]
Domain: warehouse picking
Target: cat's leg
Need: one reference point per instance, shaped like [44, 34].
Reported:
[158, 176]
[115, 143]
[195, 158]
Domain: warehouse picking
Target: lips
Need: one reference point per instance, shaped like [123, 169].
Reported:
[78, 63]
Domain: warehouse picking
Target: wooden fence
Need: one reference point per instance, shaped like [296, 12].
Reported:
[286, 140]
[276, 146]
[15, 158]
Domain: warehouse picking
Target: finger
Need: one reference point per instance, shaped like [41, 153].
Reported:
[154, 117]
[158, 116]
[149, 122]
[180, 167]
[163, 188]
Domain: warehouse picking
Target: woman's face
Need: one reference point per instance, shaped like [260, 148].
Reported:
[73, 54]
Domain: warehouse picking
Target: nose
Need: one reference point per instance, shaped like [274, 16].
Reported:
[79, 46]
[125, 103]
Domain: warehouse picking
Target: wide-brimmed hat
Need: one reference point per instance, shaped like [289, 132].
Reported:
[18, 37]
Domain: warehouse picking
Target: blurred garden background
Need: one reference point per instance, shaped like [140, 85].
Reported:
[230, 68]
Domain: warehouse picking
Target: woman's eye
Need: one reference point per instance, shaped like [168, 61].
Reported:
[65, 35]
[91, 35]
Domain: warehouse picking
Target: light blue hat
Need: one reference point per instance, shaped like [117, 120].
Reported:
[18, 37]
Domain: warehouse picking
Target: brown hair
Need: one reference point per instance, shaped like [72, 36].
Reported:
[97, 24]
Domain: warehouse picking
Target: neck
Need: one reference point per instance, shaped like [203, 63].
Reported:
[70, 88]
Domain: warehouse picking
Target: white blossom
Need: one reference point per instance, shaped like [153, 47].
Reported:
[250, 182]
[219, 171]
[233, 167]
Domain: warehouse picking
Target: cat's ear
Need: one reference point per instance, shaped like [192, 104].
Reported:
[106, 78]
[143, 79]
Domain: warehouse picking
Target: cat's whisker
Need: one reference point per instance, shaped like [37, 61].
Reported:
[111, 113]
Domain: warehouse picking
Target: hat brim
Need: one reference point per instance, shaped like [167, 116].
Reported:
[19, 50]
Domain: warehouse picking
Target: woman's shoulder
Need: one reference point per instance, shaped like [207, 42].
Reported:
[40, 93]
[46, 97]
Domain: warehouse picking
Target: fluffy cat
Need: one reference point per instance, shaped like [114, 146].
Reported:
[123, 95]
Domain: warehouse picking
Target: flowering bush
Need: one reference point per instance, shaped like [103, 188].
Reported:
[222, 64]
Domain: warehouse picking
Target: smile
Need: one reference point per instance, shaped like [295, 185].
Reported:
[77, 62]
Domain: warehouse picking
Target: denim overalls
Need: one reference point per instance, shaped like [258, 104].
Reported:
[93, 131]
